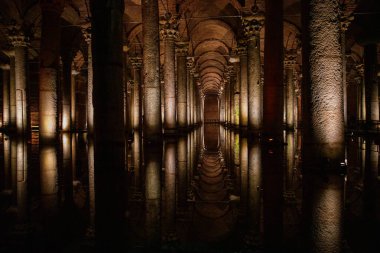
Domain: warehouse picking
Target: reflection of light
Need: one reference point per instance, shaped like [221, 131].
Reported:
[48, 164]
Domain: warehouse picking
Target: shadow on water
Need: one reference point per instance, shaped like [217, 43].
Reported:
[210, 190]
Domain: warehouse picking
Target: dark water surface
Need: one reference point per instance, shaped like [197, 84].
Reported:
[207, 191]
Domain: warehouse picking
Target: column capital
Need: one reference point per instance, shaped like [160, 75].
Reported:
[86, 31]
[242, 47]
[190, 63]
[17, 36]
[252, 24]
[4, 66]
[136, 62]
[290, 59]
[182, 48]
[345, 21]
[360, 69]
[52, 6]
[169, 26]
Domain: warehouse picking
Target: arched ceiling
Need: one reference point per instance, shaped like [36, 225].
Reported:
[212, 28]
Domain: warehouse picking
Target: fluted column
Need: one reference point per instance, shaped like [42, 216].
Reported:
[20, 43]
[151, 59]
[137, 105]
[252, 26]
[6, 105]
[289, 64]
[243, 105]
[90, 78]
[169, 33]
[181, 51]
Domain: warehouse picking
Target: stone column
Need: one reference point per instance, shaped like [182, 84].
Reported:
[49, 60]
[344, 24]
[222, 98]
[361, 91]
[66, 92]
[137, 92]
[90, 106]
[151, 69]
[252, 26]
[289, 63]
[73, 107]
[109, 128]
[20, 43]
[169, 33]
[181, 50]
[6, 100]
[371, 86]
[324, 60]
[237, 97]
[227, 92]
[190, 83]
[12, 89]
[243, 105]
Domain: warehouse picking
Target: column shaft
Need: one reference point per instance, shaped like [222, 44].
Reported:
[12, 92]
[243, 117]
[66, 94]
[151, 59]
[182, 91]
[371, 87]
[6, 105]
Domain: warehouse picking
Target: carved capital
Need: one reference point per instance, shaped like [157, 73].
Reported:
[360, 69]
[136, 62]
[17, 37]
[242, 48]
[190, 63]
[182, 48]
[252, 24]
[87, 34]
[290, 59]
[169, 27]
[345, 21]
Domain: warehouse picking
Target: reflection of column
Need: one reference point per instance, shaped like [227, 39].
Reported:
[252, 26]
[73, 106]
[152, 161]
[169, 191]
[90, 106]
[151, 68]
[137, 160]
[20, 43]
[254, 192]
[371, 171]
[109, 130]
[137, 105]
[169, 33]
[22, 180]
[67, 167]
[182, 170]
[289, 63]
[289, 170]
[323, 55]
[6, 105]
[243, 106]
[7, 180]
[243, 175]
[91, 186]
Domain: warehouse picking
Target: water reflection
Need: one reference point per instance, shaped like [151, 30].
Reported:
[210, 190]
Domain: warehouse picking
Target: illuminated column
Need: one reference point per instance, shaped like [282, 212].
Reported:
[151, 70]
[20, 43]
[237, 97]
[190, 82]
[243, 106]
[289, 194]
[12, 89]
[67, 167]
[181, 51]
[66, 92]
[325, 70]
[137, 92]
[73, 107]
[371, 85]
[252, 26]
[232, 79]
[227, 99]
[6, 105]
[344, 24]
[169, 33]
[22, 180]
[361, 91]
[49, 60]
[109, 127]
[222, 98]
[136, 149]
[90, 106]
[289, 64]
